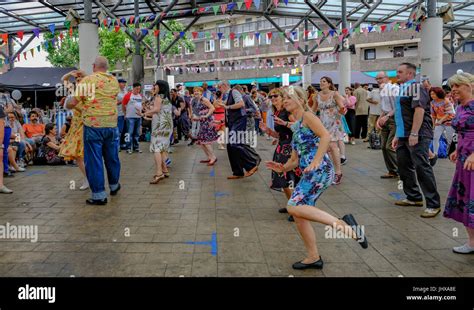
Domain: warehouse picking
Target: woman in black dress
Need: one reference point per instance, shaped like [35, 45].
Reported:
[283, 120]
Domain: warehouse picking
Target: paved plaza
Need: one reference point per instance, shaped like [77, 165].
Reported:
[198, 223]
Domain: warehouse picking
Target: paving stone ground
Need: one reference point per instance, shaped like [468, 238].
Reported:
[216, 227]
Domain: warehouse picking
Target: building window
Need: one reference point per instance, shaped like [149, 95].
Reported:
[468, 47]
[249, 41]
[369, 54]
[209, 46]
[236, 42]
[398, 51]
[294, 35]
[189, 51]
[224, 44]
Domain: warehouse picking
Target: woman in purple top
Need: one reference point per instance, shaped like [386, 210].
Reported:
[460, 201]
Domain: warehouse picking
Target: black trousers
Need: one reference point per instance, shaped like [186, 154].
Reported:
[413, 159]
[361, 124]
[241, 156]
[351, 122]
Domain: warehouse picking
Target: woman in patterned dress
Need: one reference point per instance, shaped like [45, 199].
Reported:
[207, 132]
[460, 201]
[282, 132]
[72, 148]
[310, 144]
[331, 107]
[161, 128]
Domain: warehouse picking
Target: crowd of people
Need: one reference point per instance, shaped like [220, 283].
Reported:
[308, 128]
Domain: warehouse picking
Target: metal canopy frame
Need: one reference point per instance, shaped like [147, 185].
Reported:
[25, 16]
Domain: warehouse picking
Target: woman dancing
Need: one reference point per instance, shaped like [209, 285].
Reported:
[207, 133]
[310, 144]
[161, 128]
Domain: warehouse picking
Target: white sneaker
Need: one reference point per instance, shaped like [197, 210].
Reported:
[84, 186]
[5, 190]
[463, 249]
[352, 142]
[20, 169]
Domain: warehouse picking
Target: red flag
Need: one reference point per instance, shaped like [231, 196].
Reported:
[232, 36]
[269, 35]
[117, 28]
[248, 4]
[70, 32]
[24, 55]
[61, 36]
[345, 31]
[306, 33]
[223, 8]
[20, 34]
[383, 27]
[5, 38]
[156, 32]
[18, 57]
[105, 22]
[201, 10]
[130, 21]
[195, 35]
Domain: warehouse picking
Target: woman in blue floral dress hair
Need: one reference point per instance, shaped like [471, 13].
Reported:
[310, 144]
[460, 201]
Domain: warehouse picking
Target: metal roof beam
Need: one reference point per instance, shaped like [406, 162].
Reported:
[49, 6]
[21, 18]
[196, 18]
[320, 14]
[401, 10]
[281, 30]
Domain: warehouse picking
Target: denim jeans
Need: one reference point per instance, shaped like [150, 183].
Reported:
[121, 125]
[133, 133]
[101, 146]
[6, 143]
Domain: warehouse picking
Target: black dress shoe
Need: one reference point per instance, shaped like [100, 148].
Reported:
[290, 218]
[361, 238]
[96, 202]
[283, 210]
[316, 265]
[113, 193]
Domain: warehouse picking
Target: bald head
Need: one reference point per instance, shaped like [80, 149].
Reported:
[101, 64]
[381, 77]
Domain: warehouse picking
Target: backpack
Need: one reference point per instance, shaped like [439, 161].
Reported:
[375, 140]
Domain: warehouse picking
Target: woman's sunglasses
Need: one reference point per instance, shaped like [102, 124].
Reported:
[272, 96]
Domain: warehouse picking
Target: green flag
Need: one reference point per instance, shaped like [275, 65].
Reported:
[239, 4]
[215, 8]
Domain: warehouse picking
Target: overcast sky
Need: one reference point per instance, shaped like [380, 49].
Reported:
[39, 60]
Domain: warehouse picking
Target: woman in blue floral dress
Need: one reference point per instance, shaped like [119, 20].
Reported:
[460, 201]
[310, 144]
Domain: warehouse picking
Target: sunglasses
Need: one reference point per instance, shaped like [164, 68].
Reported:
[273, 96]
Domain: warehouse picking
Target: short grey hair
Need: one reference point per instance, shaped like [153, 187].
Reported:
[101, 63]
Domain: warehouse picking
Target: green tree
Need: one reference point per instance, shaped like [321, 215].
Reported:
[112, 45]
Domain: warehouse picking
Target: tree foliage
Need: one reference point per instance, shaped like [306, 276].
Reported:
[115, 46]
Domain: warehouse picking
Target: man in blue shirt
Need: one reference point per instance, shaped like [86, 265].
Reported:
[414, 132]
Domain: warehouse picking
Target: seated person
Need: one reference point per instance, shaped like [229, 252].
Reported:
[34, 131]
[66, 126]
[51, 146]
[18, 145]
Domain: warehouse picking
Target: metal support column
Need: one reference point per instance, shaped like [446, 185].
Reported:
[88, 39]
[138, 65]
[344, 65]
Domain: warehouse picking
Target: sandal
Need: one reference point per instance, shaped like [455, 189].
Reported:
[212, 163]
[204, 161]
[157, 179]
[166, 174]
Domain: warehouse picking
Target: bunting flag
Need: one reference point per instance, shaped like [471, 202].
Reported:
[182, 34]
[239, 5]
[248, 4]
[20, 35]
[257, 35]
[156, 33]
[219, 35]
[38, 48]
[195, 35]
[369, 29]
[215, 8]
[131, 19]
[144, 32]
[382, 28]
[32, 51]
[52, 28]
[269, 35]
[286, 2]
[117, 28]
[61, 36]
[36, 32]
[5, 38]
[256, 3]
[230, 6]
[275, 2]
[232, 36]
[71, 32]
[223, 8]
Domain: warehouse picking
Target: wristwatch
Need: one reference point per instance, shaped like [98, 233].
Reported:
[413, 134]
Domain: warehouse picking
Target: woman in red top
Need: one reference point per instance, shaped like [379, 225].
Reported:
[219, 119]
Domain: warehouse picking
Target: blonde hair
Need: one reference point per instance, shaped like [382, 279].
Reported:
[199, 89]
[297, 94]
[462, 78]
[276, 91]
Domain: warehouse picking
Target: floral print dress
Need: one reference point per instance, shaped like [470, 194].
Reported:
[331, 118]
[73, 145]
[207, 132]
[161, 128]
[460, 201]
[312, 184]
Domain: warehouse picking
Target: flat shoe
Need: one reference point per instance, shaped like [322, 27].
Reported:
[234, 177]
[157, 179]
[204, 161]
[302, 266]
[96, 202]
[283, 210]
[362, 239]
